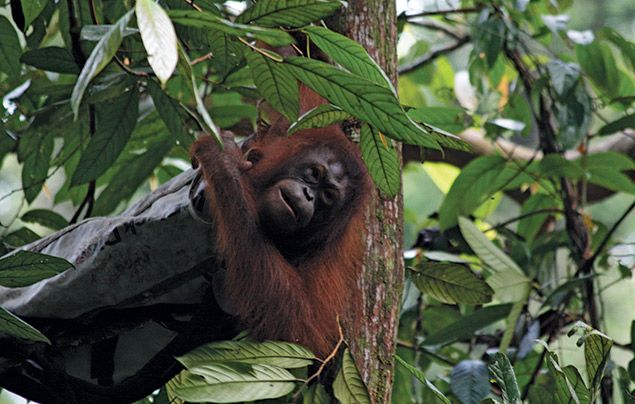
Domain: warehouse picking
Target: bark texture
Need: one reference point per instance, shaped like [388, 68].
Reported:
[372, 23]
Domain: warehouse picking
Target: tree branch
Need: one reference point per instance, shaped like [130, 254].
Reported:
[432, 55]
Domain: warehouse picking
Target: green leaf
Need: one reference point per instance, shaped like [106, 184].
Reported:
[477, 180]
[468, 325]
[207, 20]
[10, 49]
[275, 353]
[316, 394]
[597, 348]
[115, 122]
[624, 122]
[46, 218]
[231, 383]
[31, 9]
[598, 62]
[98, 59]
[564, 76]
[611, 179]
[451, 283]
[26, 268]
[348, 54]
[159, 38]
[274, 82]
[362, 98]
[20, 237]
[185, 67]
[469, 381]
[612, 160]
[36, 164]
[12, 325]
[626, 47]
[503, 373]
[226, 50]
[381, 159]
[169, 111]
[95, 33]
[508, 280]
[52, 58]
[489, 36]
[450, 119]
[421, 377]
[531, 225]
[576, 381]
[129, 177]
[348, 386]
[319, 117]
[563, 392]
[288, 13]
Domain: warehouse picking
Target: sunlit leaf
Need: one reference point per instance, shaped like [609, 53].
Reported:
[451, 283]
[230, 383]
[275, 353]
[101, 55]
[159, 38]
[348, 386]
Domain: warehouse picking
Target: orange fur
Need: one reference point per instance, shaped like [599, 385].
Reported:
[276, 298]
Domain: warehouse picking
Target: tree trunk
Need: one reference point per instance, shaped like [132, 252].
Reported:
[372, 23]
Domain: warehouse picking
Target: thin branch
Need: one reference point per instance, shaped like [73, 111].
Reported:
[437, 26]
[523, 216]
[432, 55]
[466, 10]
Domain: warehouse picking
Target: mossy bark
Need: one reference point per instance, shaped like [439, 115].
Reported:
[372, 23]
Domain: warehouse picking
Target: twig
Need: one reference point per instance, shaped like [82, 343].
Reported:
[523, 216]
[465, 10]
[437, 26]
[432, 55]
[326, 360]
[201, 58]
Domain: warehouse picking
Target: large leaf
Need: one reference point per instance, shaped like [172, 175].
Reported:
[479, 179]
[31, 9]
[129, 177]
[624, 122]
[597, 348]
[278, 87]
[36, 164]
[45, 217]
[366, 100]
[504, 375]
[421, 377]
[52, 58]
[231, 383]
[348, 386]
[12, 325]
[349, 54]
[99, 58]
[381, 159]
[169, 110]
[159, 38]
[529, 226]
[563, 391]
[288, 13]
[275, 353]
[115, 122]
[466, 326]
[508, 280]
[452, 284]
[597, 61]
[469, 381]
[26, 267]
[207, 20]
[319, 117]
[10, 49]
